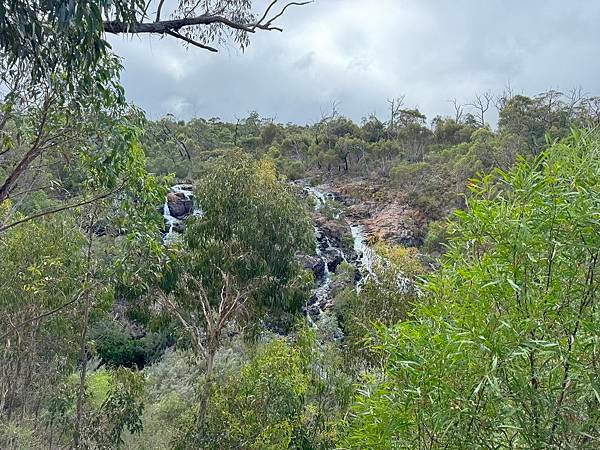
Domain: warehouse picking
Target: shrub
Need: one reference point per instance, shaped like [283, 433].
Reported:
[502, 352]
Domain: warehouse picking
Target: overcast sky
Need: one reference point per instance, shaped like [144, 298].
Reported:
[362, 52]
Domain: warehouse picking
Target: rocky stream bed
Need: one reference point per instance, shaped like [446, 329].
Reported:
[343, 228]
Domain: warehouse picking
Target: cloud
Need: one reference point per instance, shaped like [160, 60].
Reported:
[361, 53]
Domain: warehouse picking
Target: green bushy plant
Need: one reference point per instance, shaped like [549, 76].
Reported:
[502, 352]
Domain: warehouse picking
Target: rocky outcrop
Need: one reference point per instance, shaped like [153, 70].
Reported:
[398, 224]
[179, 204]
[384, 215]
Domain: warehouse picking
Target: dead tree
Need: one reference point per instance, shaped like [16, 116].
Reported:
[501, 100]
[395, 108]
[205, 319]
[458, 110]
[481, 104]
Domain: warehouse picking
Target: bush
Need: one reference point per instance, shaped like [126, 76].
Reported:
[436, 238]
[116, 347]
[502, 350]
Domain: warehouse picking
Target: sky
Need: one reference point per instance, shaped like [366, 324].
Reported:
[360, 53]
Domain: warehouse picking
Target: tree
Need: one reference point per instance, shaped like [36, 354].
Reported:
[481, 104]
[61, 36]
[395, 108]
[239, 261]
[502, 352]
[372, 129]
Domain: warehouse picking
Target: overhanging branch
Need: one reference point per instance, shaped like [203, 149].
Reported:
[56, 210]
[172, 27]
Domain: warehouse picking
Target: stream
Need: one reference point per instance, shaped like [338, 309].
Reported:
[361, 257]
[179, 204]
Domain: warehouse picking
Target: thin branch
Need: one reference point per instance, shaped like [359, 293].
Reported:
[55, 210]
[191, 41]
[264, 16]
[277, 16]
[160, 5]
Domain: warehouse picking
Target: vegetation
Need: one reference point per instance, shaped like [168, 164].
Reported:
[502, 349]
[273, 321]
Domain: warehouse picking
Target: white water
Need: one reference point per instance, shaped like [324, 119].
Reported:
[171, 221]
[322, 291]
[319, 196]
[366, 255]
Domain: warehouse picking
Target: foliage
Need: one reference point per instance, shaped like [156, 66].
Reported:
[251, 228]
[121, 409]
[41, 268]
[288, 395]
[436, 238]
[115, 346]
[386, 297]
[502, 351]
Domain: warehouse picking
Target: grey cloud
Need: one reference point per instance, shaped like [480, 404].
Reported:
[360, 53]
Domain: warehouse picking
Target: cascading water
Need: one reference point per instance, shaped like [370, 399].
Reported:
[366, 257]
[324, 284]
[173, 223]
[320, 298]
[364, 253]
[170, 221]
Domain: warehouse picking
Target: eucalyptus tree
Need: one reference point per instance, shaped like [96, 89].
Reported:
[237, 265]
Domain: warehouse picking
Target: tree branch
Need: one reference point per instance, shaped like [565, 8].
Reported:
[172, 27]
[55, 210]
[191, 41]
[160, 5]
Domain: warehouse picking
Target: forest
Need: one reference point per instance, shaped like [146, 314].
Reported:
[399, 282]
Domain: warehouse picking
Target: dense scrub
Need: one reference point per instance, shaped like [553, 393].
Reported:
[113, 336]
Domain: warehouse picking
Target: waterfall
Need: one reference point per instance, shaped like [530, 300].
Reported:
[322, 291]
[170, 221]
[173, 223]
[366, 255]
[322, 242]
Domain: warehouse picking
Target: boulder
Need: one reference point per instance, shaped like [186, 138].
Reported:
[179, 205]
[314, 264]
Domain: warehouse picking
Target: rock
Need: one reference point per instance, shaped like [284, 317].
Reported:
[396, 223]
[179, 205]
[315, 264]
[333, 257]
[336, 232]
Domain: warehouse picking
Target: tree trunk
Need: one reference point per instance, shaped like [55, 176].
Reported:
[204, 397]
